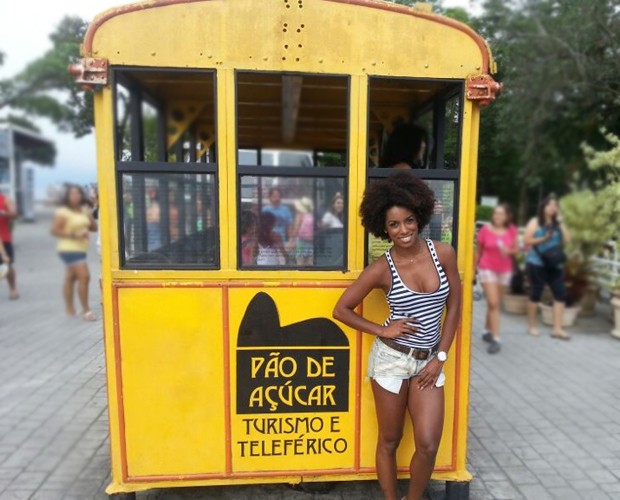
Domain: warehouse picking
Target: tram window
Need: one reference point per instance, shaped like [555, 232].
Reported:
[441, 226]
[452, 132]
[149, 131]
[414, 123]
[165, 116]
[123, 138]
[169, 219]
[292, 134]
[292, 222]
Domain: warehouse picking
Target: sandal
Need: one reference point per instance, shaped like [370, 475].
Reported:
[89, 316]
[561, 336]
[533, 332]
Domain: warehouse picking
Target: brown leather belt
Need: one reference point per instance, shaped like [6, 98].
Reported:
[409, 351]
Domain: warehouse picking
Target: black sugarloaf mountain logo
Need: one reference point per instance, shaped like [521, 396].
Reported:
[301, 367]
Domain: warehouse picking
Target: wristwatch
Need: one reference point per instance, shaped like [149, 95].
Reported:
[442, 356]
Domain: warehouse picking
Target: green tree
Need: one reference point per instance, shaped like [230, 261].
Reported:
[560, 67]
[44, 88]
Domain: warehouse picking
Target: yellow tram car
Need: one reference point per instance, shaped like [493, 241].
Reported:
[221, 122]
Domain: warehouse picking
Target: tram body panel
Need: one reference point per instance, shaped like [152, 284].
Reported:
[170, 348]
[291, 40]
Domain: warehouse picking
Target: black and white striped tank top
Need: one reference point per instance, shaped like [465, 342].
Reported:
[426, 308]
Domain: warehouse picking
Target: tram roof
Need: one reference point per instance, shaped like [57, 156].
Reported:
[372, 31]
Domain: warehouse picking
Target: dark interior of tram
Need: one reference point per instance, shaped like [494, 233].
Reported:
[293, 134]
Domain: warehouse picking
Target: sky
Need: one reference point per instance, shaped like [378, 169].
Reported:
[24, 36]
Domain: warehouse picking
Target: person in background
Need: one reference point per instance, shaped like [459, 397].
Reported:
[421, 282]
[542, 233]
[282, 213]
[303, 230]
[270, 248]
[334, 217]
[128, 220]
[173, 216]
[446, 230]
[93, 201]
[153, 219]
[249, 224]
[72, 223]
[8, 214]
[5, 261]
[497, 242]
[405, 147]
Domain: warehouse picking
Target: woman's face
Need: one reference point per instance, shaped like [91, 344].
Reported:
[500, 218]
[338, 205]
[75, 197]
[401, 226]
[551, 208]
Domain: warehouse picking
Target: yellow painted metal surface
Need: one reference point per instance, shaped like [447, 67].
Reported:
[213, 34]
[172, 337]
[171, 357]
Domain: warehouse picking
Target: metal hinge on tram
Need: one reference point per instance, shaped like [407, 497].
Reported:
[483, 89]
[90, 73]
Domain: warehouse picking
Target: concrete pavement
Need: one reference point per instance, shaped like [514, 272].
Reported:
[545, 414]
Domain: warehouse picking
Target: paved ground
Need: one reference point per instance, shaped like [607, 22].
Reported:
[545, 414]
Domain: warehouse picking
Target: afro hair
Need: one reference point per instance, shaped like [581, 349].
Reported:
[402, 189]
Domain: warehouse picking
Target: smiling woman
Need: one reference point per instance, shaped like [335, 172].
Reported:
[420, 280]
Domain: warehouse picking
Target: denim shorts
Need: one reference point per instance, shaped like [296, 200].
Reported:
[389, 367]
[488, 276]
[70, 258]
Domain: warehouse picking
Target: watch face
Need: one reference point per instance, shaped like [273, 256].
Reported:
[442, 356]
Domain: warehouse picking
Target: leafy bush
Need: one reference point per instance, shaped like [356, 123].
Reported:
[484, 212]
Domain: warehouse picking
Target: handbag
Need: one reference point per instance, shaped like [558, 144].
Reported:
[552, 257]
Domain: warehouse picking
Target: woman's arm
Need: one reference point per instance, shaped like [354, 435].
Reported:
[58, 228]
[514, 248]
[372, 277]
[92, 223]
[564, 232]
[447, 257]
[3, 254]
[478, 246]
[530, 229]
[11, 210]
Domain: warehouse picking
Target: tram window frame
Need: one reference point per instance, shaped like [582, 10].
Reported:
[434, 154]
[312, 172]
[121, 75]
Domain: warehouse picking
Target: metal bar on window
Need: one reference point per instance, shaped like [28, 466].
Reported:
[135, 119]
[292, 171]
[164, 167]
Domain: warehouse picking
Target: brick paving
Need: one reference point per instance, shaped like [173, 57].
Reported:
[545, 414]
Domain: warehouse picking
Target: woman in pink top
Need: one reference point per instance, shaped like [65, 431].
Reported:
[497, 242]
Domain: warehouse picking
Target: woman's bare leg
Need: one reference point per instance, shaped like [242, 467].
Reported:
[492, 294]
[67, 290]
[558, 315]
[426, 408]
[12, 281]
[83, 276]
[390, 409]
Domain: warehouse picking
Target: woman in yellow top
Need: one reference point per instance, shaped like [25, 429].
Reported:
[71, 225]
